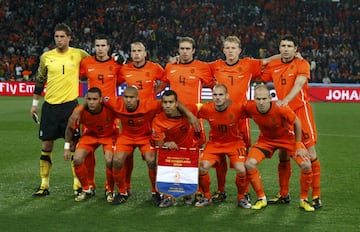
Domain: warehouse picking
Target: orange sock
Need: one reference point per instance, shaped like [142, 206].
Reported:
[240, 181]
[315, 166]
[221, 171]
[306, 177]
[253, 176]
[90, 165]
[129, 166]
[82, 174]
[152, 176]
[284, 172]
[204, 182]
[109, 186]
[119, 178]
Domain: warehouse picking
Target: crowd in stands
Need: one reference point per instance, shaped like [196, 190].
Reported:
[327, 30]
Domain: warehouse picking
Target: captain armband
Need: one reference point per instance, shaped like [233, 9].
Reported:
[39, 87]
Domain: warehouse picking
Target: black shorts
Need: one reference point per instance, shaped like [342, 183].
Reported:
[54, 119]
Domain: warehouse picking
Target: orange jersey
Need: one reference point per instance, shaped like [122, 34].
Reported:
[175, 129]
[236, 77]
[98, 125]
[187, 80]
[224, 126]
[135, 124]
[101, 74]
[144, 78]
[277, 123]
[284, 75]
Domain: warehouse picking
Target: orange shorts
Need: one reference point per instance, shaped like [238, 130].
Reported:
[90, 143]
[215, 152]
[128, 145]
[265, 148]
[309, 135]
[244, 127]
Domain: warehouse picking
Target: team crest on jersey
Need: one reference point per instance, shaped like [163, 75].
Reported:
[106, 99]
[292, 66]
[111, 68]
[147, 74]
[231, 117]
[240, 69]
[192, 71]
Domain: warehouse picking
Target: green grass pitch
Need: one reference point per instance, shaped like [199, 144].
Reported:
[338, 150]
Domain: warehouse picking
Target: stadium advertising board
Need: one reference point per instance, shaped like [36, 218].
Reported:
[317, 92]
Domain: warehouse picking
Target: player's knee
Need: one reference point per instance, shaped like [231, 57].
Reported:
[305, 165]
[250, 164]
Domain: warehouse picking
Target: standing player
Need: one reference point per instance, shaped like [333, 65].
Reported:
[279, 129]
[290, 76]
[99, 130]
[59, 70]
[188, 76]
[236, 74]
[224, 139]
[172, 129]
[148, 77]
[103, 72]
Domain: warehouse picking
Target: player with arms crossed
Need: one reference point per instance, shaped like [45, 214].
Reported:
[59, 70]
[290, 76]
[279, 129]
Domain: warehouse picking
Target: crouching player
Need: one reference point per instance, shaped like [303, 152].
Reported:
[279, 129]
[100, 129]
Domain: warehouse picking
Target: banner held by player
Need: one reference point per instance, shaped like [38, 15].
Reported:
[178, 170]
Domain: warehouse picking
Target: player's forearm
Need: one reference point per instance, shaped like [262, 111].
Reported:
[271, 58]
[298, 85]
[297, 130]
[68, 134]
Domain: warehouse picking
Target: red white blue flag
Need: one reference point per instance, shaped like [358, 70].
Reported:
[177, 171]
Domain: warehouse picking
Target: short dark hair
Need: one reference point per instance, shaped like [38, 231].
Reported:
[291, 38]
[95, 90]
[102, 36]
[63, 27]
[170, 93]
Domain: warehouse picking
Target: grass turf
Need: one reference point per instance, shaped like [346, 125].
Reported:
[338, 146]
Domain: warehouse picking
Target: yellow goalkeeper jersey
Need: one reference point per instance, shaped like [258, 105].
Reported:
[60, 72]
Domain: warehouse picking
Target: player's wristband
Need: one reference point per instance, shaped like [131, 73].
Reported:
[35, 102]
[300, 145]
[67, 145]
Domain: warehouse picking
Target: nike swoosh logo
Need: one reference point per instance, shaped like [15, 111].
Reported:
[129, 75]
[172, 71]
[277, 70]
[90, 69]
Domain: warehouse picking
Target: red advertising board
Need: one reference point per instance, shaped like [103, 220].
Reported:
[15, 88]
[334, 94]
[317, 92]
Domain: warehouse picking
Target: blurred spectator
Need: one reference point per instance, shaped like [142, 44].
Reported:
[328, 30]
